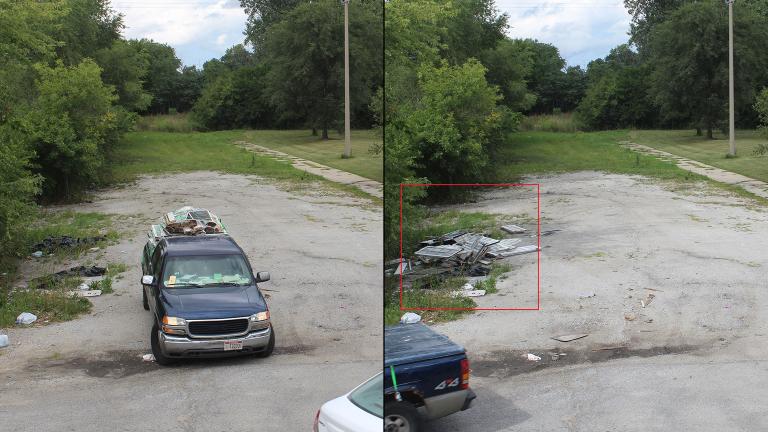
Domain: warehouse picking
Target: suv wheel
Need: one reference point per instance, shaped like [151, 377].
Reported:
[144, 300]
[160, 358]
[401, 417]
[270, 345]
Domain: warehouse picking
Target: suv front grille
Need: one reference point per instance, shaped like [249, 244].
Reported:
[220, 327]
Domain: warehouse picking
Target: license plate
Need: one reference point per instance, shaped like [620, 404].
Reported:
[233, 345]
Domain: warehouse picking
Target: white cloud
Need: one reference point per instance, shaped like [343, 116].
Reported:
[581, 29]
[198, 29]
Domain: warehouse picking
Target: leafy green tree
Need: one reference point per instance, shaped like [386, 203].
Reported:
[87, 27]
[237, 56]
[18, 185]
[617, 95]
[690, 76]
[212, 69]
[305, 56]
[646, 14]
[189, 87]
[125, 66]
[23, 42]
[761, 107]
[474, 27]
[236, 99]
[574, 88]
[162, 74]
[547, 76]
[456, 125]
[414, 29]
[72, 126]
[509, 66]
[261, 15]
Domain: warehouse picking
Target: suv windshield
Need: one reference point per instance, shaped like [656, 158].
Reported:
[369, 396]
[210, 270]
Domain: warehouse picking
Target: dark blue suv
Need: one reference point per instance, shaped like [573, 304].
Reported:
[205, 299]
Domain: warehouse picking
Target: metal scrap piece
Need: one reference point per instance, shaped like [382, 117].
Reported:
[513, 229]
[438, 252]
[520, 250]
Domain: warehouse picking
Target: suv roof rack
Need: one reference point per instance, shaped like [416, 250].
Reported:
[186, 221]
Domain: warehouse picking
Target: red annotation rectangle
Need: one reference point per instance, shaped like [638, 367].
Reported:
[481, 185]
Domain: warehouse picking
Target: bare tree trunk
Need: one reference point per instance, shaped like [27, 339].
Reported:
[314, 131]
[325, 132]
[709, 133]
[698, 131]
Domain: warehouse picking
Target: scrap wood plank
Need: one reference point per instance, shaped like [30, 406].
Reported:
[570, 337]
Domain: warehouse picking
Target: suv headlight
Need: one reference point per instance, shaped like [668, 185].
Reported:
[261, 316]
[173, 321]
[174, 325]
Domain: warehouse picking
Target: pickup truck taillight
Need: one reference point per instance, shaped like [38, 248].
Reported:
[465, 374]
[315, 425]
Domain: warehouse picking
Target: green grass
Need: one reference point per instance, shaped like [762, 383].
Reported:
[165, 123]
[555, 152]
[435, 293]
[436, 223]
[73, 224]
[166, 152]
[498, 272]
[685, 143]
[366, 160]
[564, 122]
[55, 304]
[302, 144]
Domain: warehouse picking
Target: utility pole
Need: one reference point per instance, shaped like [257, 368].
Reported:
[347, 138]
[731, 116]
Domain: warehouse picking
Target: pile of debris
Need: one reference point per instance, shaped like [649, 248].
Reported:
[461, 253]
[188, 221]
[51, 244]
[51, 281]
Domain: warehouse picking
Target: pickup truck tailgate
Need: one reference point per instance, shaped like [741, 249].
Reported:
[411, 343]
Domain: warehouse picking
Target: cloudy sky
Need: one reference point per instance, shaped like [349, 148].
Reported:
[203, 29]
[198, 29]
[583, 30]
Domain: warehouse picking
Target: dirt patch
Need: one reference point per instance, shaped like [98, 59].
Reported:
[110, 364]
[623, 238]
[293, 349]
[504, 364]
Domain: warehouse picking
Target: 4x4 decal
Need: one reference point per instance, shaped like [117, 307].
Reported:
[450, 382]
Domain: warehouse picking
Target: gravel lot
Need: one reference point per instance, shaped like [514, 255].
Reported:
[701, 341]
[324, 253]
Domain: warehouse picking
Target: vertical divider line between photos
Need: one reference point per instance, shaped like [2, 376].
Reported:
[401, 246]
[538, 240]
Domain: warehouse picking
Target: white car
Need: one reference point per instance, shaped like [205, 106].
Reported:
[361, 410]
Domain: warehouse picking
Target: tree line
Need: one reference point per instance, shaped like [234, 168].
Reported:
[70, 86]
[456, 85]
[292, 74]
[673, 72]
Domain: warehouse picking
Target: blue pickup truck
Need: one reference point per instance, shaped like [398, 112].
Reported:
[426, 376]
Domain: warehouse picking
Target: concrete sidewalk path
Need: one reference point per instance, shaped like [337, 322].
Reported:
[757, 187]
[367, 185]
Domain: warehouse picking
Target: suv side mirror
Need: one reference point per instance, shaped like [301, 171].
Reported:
[147, 280]
[262, 276]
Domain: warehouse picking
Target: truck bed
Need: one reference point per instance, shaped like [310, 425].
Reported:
[410, 343]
